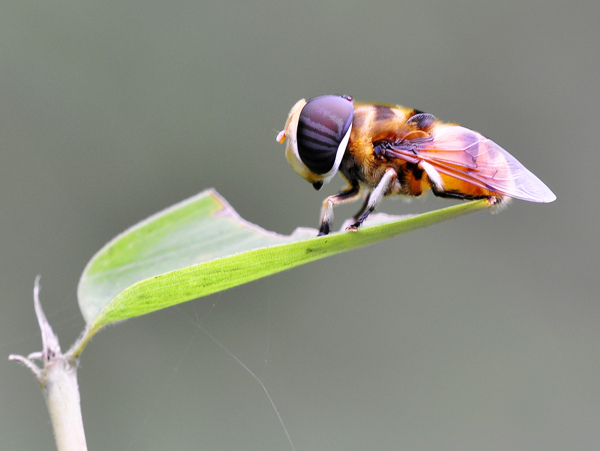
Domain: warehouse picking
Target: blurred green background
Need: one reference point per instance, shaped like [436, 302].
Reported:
[478, 334]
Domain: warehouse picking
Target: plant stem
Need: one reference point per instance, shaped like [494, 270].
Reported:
[58, 380]
[61, 392]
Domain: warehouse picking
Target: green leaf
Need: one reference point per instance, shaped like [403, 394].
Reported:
[201, 246]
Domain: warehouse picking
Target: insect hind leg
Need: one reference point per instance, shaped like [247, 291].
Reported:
[437, 186]
[461, 196]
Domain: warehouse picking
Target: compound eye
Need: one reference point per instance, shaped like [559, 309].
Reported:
[323, 132]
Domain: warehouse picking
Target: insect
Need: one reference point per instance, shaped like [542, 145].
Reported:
[392, 150]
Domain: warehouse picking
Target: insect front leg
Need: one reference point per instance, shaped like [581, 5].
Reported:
[375, 197]
[348, 195]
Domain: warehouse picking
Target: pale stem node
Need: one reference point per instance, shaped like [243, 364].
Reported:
[58, 379]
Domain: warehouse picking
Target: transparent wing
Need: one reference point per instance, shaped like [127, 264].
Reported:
[468, 156]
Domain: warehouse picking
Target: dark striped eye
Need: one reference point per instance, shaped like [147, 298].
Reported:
[323, 127]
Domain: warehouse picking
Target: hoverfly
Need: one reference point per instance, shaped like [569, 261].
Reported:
[392, 150]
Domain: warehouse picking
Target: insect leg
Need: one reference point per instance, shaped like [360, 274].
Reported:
[437, 186]
[375, 197]
[494, 200]
[435, 179]
[348, 195]
[363, 208]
